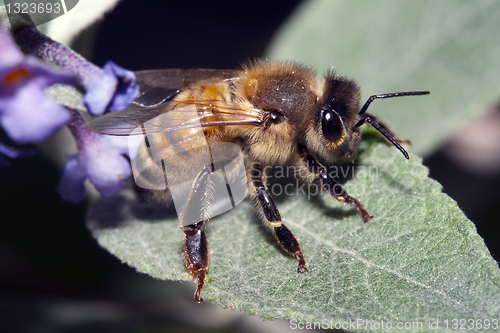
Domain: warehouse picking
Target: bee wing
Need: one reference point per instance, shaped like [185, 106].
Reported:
[176, 116]
[181, 158]
[157, 86]
[123, 122]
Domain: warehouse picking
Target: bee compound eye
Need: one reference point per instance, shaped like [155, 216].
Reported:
[331, 126]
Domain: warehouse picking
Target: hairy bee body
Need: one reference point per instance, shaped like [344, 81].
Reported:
[271, 113]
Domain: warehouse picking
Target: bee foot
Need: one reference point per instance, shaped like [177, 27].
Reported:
[201, 282]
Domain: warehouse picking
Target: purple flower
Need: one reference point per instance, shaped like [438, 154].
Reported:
[29, 116]
[26, 113]
[12, 153]
[113, 91]
[98, 161]
[109, 89]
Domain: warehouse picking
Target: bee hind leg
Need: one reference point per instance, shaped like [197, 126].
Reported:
[270, 211]
[195, 244]
[196, 255]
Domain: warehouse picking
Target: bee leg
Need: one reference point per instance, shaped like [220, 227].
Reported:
[329, 184]
[285, 237]
[195, 244]
[196, 256]
[391, 133]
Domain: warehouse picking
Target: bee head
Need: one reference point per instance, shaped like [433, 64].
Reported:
[337, 125]
[335, 135]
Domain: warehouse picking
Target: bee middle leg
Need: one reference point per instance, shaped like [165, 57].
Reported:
[285, 237]
[329, 184]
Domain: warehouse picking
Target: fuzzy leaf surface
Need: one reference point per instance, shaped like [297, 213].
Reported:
[420, 258]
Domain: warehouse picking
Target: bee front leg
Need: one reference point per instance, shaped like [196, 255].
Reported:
[285, 237]
[329, 184]
[388, 131]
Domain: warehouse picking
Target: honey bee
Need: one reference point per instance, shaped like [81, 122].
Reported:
[272, 112]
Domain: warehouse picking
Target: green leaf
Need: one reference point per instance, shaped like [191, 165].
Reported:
[450, 47]
[419, 258]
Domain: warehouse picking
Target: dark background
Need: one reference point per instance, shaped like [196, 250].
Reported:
[53, 274]
[188, 34]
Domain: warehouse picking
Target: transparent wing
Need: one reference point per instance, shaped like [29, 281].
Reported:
[157, 86]
[180, 78]
[183, 158]
[180, 116]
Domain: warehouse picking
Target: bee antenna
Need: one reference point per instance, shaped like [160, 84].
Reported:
[398, 94]
[372, 120]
